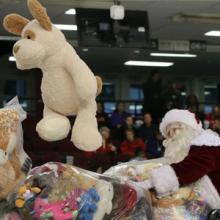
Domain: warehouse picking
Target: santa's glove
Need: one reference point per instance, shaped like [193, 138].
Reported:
[146, 185]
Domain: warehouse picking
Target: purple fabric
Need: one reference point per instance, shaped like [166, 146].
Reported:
[118, 119]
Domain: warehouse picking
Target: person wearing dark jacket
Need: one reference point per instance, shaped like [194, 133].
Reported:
[148, 133]
[118, 116]
[101, 116]
[152, 102]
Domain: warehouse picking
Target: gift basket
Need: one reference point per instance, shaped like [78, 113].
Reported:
[185, 204]
[59, 191]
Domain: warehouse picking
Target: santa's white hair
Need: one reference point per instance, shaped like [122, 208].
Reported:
[177, 147]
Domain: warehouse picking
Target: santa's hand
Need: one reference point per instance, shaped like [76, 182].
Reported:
[146, 185]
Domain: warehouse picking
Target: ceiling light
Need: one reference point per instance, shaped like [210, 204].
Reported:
[148, 63]
[66, 27]
[136, 51]
[213, 33]
[71, 11]
[117, 11]
[12, 59]
[85, 49]
[173, 55]
[141, 29]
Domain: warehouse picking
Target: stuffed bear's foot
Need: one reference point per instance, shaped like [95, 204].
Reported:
[86, 137]
[53, 128]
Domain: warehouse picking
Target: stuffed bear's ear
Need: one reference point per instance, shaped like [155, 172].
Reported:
[39, 13]
[99, 85]
[15, 23]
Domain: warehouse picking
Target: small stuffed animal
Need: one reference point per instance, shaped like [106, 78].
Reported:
[87, 205]
[44, 210]
[68, 85]
[106, 193]
[12, 155]
[25, 192]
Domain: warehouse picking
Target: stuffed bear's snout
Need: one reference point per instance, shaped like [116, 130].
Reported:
[16, 48]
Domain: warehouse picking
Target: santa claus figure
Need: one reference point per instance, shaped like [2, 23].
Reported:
[193, 155]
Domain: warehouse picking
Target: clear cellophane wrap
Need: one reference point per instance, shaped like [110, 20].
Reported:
[186, 204]
[56, 191]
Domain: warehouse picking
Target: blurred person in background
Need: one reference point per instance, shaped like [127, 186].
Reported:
[107, 146]
[215, 113]
[102, 117]
[103, 157]
[152, 90]
[214, 119]
[127, 125]
[216, 125]
[192, 104]
[172, 97]
[119, 115]
[132, 146]
[148, 133]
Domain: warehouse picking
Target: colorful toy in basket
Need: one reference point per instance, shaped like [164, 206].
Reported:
[69, 193]
[56, 210]
[68, 86]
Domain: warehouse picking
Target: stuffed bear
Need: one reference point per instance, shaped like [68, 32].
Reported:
[11, 153]
[68, 86]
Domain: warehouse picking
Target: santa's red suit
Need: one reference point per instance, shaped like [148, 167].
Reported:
[202, 164]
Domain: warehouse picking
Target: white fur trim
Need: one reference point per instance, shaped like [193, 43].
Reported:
[209, 193]
[207, 138]
[177, 115]
[164, 180]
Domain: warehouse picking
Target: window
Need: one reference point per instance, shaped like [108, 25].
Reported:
[211, 94]
[109, 107]
[108, 91]
[135, 92]
[135, 109]
[15, 88]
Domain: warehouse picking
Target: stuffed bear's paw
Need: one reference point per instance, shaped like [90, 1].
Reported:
[53, 128]
[86, 139]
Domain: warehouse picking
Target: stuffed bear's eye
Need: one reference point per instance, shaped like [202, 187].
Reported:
[5, 153]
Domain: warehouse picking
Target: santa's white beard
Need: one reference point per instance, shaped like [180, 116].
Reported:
[177, 147]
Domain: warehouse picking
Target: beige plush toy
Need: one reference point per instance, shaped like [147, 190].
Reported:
[68, 85]
[11, 154]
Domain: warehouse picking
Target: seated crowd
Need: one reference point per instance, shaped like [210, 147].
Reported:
[124, 138]
[130, 138]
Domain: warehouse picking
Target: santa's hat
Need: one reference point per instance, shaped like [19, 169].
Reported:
[182, 116]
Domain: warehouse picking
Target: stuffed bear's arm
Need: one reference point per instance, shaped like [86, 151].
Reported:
[83, 78]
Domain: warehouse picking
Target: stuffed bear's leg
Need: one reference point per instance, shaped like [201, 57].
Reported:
[85, 133]
[53, 126]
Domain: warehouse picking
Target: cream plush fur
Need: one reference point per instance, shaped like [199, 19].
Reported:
[68, 85]
[106, 193]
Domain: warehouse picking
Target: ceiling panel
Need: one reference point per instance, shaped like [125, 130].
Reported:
[160, 12]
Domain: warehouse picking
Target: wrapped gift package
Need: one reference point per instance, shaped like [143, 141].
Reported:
[60, 191]
[186, 204]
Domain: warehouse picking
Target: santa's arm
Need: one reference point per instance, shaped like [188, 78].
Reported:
[168, 178]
